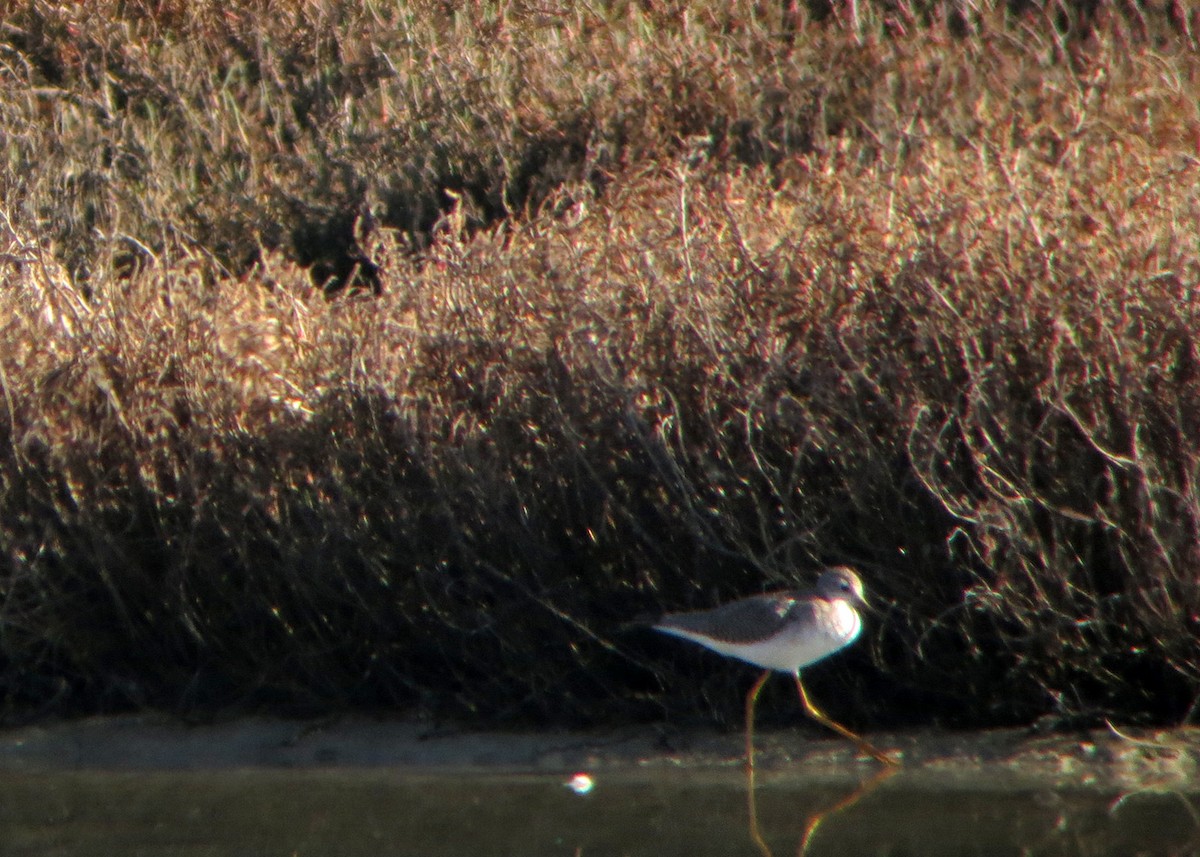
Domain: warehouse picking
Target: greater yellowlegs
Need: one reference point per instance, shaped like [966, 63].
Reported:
[783, 632]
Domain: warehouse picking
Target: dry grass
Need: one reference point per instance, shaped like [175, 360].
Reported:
[646, 309]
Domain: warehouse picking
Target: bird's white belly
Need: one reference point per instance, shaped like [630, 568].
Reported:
[797, 645]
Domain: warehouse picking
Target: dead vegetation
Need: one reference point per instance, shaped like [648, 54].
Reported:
[633, 309]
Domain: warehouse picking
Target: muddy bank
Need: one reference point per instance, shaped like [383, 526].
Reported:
[1102, 760]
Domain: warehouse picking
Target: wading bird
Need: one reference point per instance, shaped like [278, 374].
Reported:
[783, 632]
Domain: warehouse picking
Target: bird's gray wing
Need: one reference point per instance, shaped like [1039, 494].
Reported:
[741, 621]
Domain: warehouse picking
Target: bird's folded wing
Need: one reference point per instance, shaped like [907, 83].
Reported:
[744, 621]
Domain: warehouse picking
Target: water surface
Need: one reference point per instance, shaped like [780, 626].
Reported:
[147, 785]
[657, 812]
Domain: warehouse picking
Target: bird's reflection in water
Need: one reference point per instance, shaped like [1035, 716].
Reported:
[818, 818]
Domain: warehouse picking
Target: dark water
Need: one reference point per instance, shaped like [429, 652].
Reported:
[380, 812]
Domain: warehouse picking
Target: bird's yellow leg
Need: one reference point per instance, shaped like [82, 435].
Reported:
[819, 716]
[751, 698]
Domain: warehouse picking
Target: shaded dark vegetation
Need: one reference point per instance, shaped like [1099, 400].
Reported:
[628, 311]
